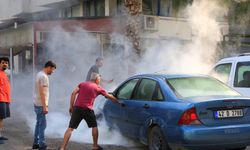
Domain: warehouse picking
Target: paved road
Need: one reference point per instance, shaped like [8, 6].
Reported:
[20, 138]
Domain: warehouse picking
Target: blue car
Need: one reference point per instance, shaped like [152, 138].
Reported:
[168, 112]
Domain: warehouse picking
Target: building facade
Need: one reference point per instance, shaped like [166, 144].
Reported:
[24, 31]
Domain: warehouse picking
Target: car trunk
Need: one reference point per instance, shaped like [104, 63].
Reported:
[222, 111]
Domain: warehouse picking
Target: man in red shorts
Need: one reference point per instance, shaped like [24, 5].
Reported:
[82, 108]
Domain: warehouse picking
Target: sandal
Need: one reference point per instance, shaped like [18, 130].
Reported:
[97, 148]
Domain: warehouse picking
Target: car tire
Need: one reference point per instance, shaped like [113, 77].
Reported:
[156, 140]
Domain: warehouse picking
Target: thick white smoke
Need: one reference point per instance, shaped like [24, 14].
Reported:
[74, 53]
[194, 56]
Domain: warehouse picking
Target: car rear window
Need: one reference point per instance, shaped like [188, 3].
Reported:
[199, 86]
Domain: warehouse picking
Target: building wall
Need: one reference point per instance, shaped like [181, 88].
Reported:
[10, 8]
[21, 36]
[176, 28]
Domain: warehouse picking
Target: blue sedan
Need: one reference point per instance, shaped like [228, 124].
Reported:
[168, 112]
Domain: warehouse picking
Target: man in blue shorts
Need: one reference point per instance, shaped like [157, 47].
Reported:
[4, 95]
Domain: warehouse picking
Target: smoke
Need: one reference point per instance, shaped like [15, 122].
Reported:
[196, 55]
[75, 52]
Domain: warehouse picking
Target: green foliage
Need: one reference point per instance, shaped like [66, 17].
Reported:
[242, 11]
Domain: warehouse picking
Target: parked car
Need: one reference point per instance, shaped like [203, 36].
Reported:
[235, 71]
[168, 112]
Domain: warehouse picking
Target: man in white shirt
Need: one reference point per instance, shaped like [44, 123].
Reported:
[41, 99]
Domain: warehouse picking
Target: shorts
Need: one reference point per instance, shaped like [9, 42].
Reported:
[79, 114]
[4, 110]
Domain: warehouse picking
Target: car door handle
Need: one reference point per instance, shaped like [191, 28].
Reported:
[146, 106]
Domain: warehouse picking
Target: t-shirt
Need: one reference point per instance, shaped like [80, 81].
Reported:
[93, 69]
[88, 91]
[43, 80]
[4, 87]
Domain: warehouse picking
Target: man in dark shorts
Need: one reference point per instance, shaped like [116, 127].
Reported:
[4, 95]
[82, 108]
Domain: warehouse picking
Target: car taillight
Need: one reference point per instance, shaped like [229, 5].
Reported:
[189, 117]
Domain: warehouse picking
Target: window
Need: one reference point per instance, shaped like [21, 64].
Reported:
[165, 7]
[100, 8]
[147, 7]
[120, 6]
[68, 12]
[94, 8]
[242, 75]
[157, 94]
[147, 91]
[199, 86]
[125, 92]
[222, 72]
[150, 7]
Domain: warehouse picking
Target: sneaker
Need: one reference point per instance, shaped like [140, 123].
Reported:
[43, 147]
[35, 146]
[3, 138]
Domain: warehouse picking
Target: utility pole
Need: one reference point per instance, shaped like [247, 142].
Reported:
[11, 67]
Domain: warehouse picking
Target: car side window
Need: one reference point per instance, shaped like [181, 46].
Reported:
[157, 94]
[148, 90]
[222, 72]
[127, 89]
[242, 75]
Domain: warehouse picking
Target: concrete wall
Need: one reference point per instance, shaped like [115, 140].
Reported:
[10, 8]
[177, 28]
[174, 28]
[21, 36]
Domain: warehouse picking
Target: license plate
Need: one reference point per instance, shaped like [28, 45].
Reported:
[229, 113]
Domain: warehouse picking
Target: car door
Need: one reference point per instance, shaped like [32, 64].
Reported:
[117, 114]
[142, 105]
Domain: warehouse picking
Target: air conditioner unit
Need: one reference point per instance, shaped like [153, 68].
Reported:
[151, 23]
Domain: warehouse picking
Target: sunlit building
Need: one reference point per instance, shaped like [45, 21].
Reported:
[26, 25]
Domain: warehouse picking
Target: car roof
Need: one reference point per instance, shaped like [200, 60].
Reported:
[169, 76]
[242, 57]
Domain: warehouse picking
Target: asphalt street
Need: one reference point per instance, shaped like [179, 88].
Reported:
[20, 138]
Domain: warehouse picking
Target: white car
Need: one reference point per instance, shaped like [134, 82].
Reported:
[235, 71]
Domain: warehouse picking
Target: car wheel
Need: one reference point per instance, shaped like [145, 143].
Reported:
[156, 140]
